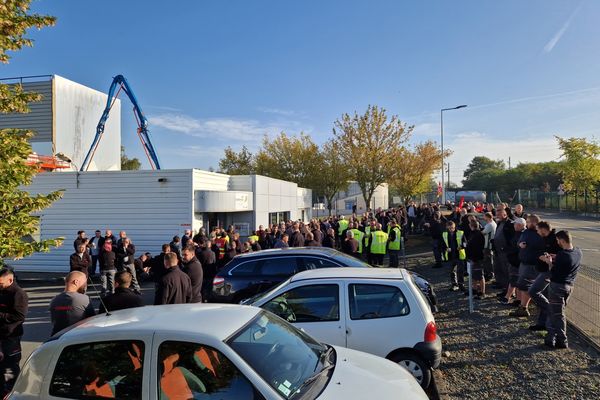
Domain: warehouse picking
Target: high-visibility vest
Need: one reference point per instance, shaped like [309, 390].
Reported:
[221, 243]
[255, 237]
[358, 235]
[462, 254]
[343, 226]
[367, 235]
[395, 245]
[378, 242]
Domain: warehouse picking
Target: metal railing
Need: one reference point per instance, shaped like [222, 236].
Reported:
[583, 307]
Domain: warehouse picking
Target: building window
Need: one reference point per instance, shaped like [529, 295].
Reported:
[278, 217]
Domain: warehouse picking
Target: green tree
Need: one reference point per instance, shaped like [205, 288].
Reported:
[581, 168]
[129, 164]
[290, 158]
[17, 222]
[480, 164]
[371, 145]
[415, 168]
[331, 173]
[237, 163]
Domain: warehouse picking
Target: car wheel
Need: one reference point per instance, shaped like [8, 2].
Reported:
[415, 365]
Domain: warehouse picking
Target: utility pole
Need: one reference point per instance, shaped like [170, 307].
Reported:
[442, 145]
[448, 183]
[508, 162]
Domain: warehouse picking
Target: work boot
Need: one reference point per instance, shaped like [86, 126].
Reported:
[561, 345]
[520, 312]
[537, 328]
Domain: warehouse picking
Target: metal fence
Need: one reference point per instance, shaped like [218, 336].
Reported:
[586, 203]
[583, 308]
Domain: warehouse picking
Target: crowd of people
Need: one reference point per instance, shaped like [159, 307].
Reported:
[518, 254]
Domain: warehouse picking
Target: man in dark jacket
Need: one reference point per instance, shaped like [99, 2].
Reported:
[157, 269]
[329, 239]
[125, 260]
[475, 246]
[436, 228]
[175, 287]
[107, 235]
[296, 238]
[193, 268]
[208, 261]
[81, 259]
[531, 247]
[350, 245]
[13, 309]
[81, 239]
[512, 233]
[107, 266]
[123, 297]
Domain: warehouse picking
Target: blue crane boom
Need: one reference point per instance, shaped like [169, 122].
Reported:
[143, 133]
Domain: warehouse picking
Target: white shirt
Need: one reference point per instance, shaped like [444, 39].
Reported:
[489, 231]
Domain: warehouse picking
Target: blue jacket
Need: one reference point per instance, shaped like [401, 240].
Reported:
[534, 249]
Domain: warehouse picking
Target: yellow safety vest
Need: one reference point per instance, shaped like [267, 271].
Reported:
[462, 254]
[395, 245]
[358, 235]
[343, 226]
[255, 237]
[378, 242]
[367, 235]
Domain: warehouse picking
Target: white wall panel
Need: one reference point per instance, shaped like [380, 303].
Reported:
[149, 211]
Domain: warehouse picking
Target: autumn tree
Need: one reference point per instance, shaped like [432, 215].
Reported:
[237, 163]
[581, 167]
[415, 167]
[290, 158]
[17, 222]
[371, 145]
[129, 164]
[331, 173]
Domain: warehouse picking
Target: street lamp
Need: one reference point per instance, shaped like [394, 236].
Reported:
[66, 159]
[442, 143]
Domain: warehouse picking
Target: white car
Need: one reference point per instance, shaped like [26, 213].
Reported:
[201, 351]
[376, 310]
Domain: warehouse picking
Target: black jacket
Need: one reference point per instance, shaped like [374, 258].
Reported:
[534, 247]
[125, 255]
[121, 299]
[80, 264]
[107, 261]
[175, 287]
[329, 241]
[194, 270]
[13, 309]
[296, 239]
[157, 267]
[475, 245]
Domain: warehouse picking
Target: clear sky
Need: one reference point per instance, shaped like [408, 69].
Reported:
[214, 73]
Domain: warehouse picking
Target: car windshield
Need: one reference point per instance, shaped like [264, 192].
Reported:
[349, 261]
[289, 360]
[258, 297]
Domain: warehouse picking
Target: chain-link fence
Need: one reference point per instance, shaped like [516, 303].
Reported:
[586, 203]
[583, 309]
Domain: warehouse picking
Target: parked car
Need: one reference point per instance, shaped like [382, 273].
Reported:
[203, 351]
[376, 310]
[254, 273]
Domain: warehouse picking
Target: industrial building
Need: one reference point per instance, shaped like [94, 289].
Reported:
[152, 206]
[352, 198]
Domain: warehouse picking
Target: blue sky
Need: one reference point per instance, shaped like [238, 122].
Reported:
[214, 73]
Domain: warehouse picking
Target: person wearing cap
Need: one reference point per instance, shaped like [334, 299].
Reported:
[531, 247]
[394, 243]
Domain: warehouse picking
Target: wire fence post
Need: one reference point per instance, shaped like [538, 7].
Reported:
[470, 287]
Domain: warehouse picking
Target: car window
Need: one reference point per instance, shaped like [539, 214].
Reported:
[308, 303]
[314, 263]
[244, 269]
[278, 266]
[368, 301]
[348, 261]
[100, 370]
[194, 371]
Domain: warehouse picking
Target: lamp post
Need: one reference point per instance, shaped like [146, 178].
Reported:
[442, 144]
[66, 159]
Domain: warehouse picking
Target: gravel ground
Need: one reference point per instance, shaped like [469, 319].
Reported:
[493, 356]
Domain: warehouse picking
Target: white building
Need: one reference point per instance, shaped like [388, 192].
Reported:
[65, 121]
[344, 201]
[154, 206]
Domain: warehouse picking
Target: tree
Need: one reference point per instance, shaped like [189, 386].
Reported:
[332, 175]
[290, 158]
[480, 164]
[581, 168]
[237, 163]
[415, 168]
[371, 145]
[129, 164]
[17, 224]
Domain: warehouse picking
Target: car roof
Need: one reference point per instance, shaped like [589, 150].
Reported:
[217, 320]
[350, 272]
[325, 251]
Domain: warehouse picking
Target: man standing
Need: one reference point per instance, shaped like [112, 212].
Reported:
[13, 309]
[107, 266]
[193, 269]
[282, 243]
[489, 231]
[187, 236]
[125, 260]
[296, 239]
[81, 239]
[378, 245]
[123, 297]
[501, 239]
[563, 270]
[94, 245]
[436, 229]
[175, 287]
[329, 239]
[475, 254]
[72, 305]
[350, 245]
[394, 243]
[80, 260]
[454, 255]
[208, 261]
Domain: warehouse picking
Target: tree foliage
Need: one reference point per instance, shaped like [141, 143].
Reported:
[415, 167]
[237, 163]
[290, 158]
[331, 174]
[581, 167]
[129, 164]
[371, 145]
[18, 223]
